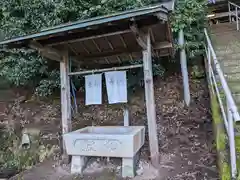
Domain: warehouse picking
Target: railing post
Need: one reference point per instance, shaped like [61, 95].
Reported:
[183, 62]
[229, 12]
[232, 112]
[209, 67]
[231, 138]
[209, 60]
[236, 9]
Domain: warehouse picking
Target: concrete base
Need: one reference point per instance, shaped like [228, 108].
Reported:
[78, 164]
[105, 141]
[128, 167]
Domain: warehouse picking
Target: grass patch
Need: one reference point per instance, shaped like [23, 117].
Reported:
[14, 158]
[221, 140]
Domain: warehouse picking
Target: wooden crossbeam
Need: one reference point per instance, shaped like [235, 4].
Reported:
[122, 51]
[140, 37]
[91, 37]
[47, 52]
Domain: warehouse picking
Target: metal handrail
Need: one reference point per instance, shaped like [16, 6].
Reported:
[223, 80]
[232, 111]
[233, 4]
[236, 13]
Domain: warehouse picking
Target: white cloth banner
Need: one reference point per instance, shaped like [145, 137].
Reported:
[116, 82]
[93, 89]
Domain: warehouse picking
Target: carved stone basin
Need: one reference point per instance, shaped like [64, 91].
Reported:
[106, 141]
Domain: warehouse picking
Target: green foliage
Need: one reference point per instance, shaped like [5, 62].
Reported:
[13, 157]
[226, 171]
[135, 76]
[197, 72]
[190, 15]
[22, 67]
[20, 17]
[47, 86]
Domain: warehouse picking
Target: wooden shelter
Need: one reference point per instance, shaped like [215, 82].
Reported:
[220, 10]
[109, 40]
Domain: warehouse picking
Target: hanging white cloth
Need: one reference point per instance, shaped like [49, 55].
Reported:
[93, 89]
[116, 82]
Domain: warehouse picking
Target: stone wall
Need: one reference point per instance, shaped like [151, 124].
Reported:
[220, 140]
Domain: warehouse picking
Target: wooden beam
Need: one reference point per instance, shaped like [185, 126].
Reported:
[152, 35]
[111, 46]
[105, 69]
[124, 43]
[142, 41]
[150, 103]
[162, 17]
[128, 50]
[92, 37]
[65, 99]
[139, 36]
[47, 52]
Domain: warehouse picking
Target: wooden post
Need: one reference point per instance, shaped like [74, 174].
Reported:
[126, 116]
[150, 103]
[65, 100]
[183, 60]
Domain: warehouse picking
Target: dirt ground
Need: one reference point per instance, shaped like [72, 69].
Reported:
[185, 134]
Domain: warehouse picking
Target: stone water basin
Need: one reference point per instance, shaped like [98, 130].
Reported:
[106, 141]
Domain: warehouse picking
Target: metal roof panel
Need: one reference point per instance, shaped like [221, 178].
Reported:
[164, 8]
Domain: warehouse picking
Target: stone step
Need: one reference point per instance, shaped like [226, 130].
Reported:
[229, 63]
[222, 27]
[228, 56]
[236, 97]
[225, 36]
[231, 69]
[227, 50]
[226, 39]
[224, 31]
[234, 87]
[232, 77]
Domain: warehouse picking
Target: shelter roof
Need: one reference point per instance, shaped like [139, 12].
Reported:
[104, 39]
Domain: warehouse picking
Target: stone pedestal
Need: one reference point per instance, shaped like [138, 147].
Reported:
[128, 167]
[105, 141]
[78, 164]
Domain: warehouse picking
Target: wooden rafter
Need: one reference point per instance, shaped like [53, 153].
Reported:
[99, 49]
[111, 46]
[85, 49]
[130, 55]
[140, 37]
[152, 36]
[92, 37]
[72, 49]
[124, 51]
[124, 43]
[106, 59]
[96, 45]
